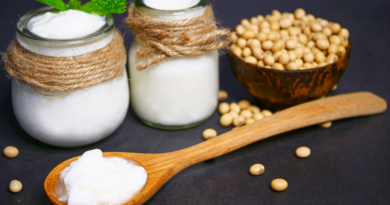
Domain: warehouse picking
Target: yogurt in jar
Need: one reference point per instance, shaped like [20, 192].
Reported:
[179, 91]
[80, 116]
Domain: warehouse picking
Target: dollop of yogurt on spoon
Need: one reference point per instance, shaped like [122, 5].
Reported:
[94, 179]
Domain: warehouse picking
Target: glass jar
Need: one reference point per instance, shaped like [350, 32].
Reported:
[177, 93]
[74, 118]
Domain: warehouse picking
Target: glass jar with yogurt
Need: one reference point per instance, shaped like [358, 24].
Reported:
[180, 92]
[77, 117]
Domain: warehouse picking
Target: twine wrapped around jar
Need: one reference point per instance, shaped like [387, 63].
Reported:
[175, 38]
[61, 74]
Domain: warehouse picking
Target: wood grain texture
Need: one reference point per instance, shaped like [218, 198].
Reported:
[162, 167]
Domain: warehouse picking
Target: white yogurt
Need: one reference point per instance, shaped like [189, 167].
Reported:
[93, 179]
[78, 117]
[68, 24]
[178, 91]
[171, 4]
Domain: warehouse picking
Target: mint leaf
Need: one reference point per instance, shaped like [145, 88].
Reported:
[57, 4]
[103, 7]
[74, 4]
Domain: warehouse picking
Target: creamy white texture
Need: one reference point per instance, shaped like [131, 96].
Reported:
[68, 24]
[77, 117]
[171, 4]
[93, 179]
[177, 91]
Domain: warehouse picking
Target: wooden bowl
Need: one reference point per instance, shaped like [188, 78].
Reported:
[276, 89]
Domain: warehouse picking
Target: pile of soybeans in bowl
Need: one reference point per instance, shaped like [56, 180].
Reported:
[289, 41]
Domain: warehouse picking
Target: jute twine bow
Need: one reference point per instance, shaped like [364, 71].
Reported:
[66, 73]
[175, 38]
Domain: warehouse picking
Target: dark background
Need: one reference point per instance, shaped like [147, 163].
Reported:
[350, 162]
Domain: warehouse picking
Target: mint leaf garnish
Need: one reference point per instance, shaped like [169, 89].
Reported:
[57, 4]
[74, 4]
[101, 7]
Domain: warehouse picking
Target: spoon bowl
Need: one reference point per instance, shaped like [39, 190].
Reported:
[161, 167]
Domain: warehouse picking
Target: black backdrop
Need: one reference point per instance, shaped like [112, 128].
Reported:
[349, 162]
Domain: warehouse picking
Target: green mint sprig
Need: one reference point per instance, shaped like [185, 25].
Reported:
[101, 7]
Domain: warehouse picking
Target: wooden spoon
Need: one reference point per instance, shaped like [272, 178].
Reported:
[161, 167]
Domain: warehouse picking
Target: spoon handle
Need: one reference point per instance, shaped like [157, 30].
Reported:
[307, 114]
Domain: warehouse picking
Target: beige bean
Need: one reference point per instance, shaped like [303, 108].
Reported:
[262, 37]
[307, 66]
[223, 108]
[267, 45]
[240, 29]
[15, 186]
[258, 53]
[209, 133]
[258, 116]
[292, 66]
[254, 108]
[274, 26]
[341, 51]
[310, 44]
[302, 38]
[248, 34]
[239, 121]
[269, 60]
[291, 44]
[246, 113]
[322, 64]
[278, 45]
[316, 27]
[245, 22]
[285, 22]
[254, 43]
[226, 120]
[307, 31]
[299, 52]
[319, 57]
[273, 36]
[308, 57]
[344, 41]
[277, 54]
[244, 104]
[260, 18]
[325, 125]
[246, 52]
[292, 55]
[335, 40]
[284, 59]
[278, 66]
[322, 44]
[299, 62]
[260, 64]
[335, 27]
[266, 113]
[333, 49]
[241, 43]
[234, 107]
[234, 114]
[264, 24]
[344, 32]
[327, 31]
[299, 13]
[254, 21]
[331, 58]
[249, 121]
[251, 60]
[222, 95]
[257, 169]
[303, 152]
[11, 152]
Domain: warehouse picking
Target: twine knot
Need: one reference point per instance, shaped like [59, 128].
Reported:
[175, 38]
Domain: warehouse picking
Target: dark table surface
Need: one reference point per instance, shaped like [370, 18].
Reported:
[349, 164]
